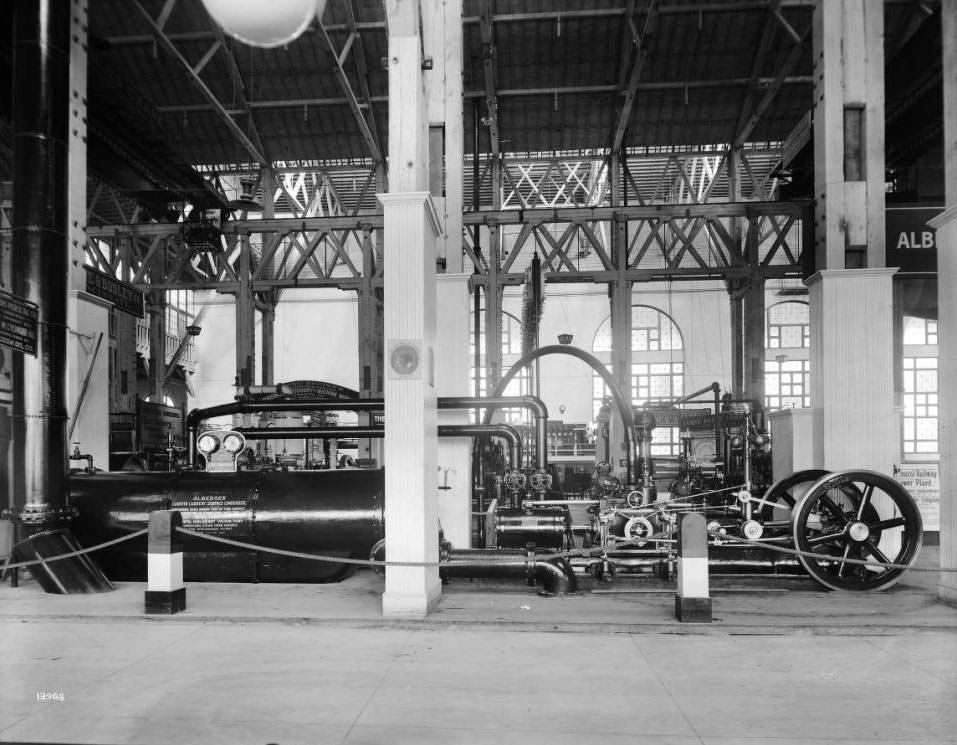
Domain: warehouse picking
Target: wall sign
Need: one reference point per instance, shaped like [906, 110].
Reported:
[911, 243]
[922, 480]
[18, 324]
[122, 295]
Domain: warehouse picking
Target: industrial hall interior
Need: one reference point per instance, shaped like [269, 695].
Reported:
[470, 371]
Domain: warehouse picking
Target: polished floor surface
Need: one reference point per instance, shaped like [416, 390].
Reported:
[258, 664]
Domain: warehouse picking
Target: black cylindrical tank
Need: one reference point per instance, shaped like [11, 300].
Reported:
[542, 527]
[337, 513]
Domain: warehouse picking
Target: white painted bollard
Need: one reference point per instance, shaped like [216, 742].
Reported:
[165, 591]
[692, 600]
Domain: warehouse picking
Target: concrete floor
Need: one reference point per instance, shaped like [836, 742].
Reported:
[783, 663]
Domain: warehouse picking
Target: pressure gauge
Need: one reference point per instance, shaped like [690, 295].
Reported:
[207, 444]
[233, 442]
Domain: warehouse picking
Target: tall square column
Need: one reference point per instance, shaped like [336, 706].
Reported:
[852, 369]
[452, 379]
[411, 505]
[946, 225]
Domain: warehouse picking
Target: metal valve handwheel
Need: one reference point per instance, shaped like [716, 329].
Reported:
[540, 481]
[638, 528]
[514, 480]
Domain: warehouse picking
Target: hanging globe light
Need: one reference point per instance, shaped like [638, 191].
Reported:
[264, 24]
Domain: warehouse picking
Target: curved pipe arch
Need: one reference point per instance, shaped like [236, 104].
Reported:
[623, 404]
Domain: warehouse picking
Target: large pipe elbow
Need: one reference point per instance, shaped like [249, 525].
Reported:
[556, 575]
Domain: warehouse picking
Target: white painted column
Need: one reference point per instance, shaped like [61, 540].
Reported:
[88, 317]
[849, 133]
[411, 229]
[442, 36]
[946, 225]
[411, 504]
[452, 379]
[852, 364]
[851, 297]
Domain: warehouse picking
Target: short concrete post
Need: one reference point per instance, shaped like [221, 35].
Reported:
[692, 601]
[165, 591]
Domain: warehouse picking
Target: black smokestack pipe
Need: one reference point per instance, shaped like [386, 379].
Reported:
[40, 254]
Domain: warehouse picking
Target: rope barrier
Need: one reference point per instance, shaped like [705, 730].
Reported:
[855, 562]
[21, 564]
[573, 553]
[301, 555]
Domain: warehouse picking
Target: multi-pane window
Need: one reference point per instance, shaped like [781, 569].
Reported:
[920, 405]
[788, 326]
[657, 371]
[651, 331]
[920, 382]
[786, 366]
[786, 384]
[656, 381]
[919, 331]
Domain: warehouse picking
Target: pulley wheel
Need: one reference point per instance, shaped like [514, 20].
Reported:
[788, 492]
[859, 515]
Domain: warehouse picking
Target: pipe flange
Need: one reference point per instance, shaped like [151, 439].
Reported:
[39, 514]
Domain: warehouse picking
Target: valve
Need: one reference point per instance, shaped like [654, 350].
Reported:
[514, 480]
[540, 481]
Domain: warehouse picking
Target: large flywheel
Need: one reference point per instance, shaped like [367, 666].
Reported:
[780, 498]
[852, 516]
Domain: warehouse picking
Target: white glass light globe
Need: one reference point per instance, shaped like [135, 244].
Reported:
[264, 23]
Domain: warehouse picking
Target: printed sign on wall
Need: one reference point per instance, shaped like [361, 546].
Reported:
[922, 480]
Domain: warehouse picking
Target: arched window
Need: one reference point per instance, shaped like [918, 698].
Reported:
[657, 367]
[787, 365]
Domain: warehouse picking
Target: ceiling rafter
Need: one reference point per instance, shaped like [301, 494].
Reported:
[787, 66]
[488, 64]
[204, 89]
[630, 89]
[239, 92]
[371, 140]
[757, 64]
[362, 68]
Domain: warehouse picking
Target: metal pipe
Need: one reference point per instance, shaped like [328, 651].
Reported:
[365, 404]
[490, 403]
[40, 254]
[717, 420]
[505, 431]
[249, 407]
[303, 433]
[623, 403]
[555, 573]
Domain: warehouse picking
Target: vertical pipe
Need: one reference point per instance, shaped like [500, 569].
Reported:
[39, 256]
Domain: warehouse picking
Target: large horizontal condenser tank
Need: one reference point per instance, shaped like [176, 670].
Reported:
[333, 513]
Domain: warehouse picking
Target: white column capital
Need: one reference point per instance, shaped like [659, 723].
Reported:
[945, 218]
[414, 198]
[831, 274]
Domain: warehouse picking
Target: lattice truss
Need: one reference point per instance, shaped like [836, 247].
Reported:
[313, 240]
[676, 212]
